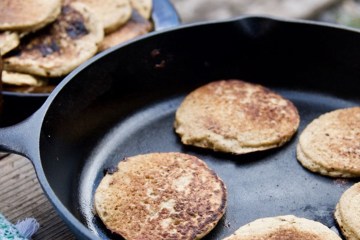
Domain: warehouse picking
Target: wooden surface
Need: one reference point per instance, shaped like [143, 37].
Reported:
[21, 196]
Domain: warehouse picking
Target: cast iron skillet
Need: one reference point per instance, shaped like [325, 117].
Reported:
[19, 105]
[122, 103]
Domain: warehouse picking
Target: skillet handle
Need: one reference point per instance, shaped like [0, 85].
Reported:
[22, 138]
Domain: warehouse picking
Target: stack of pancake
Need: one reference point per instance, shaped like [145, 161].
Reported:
[43, 40]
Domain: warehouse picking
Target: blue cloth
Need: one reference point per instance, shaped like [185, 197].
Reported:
[23, 230]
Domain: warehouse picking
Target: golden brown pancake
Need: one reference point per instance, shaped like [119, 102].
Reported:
[135, 27]
[112, 13]
[29, 89]
[284, 228]
[28, 15]
[347, 213]
[8, 41]
[235, 116]
[59, 48]
[21, 79]
[144, 7]
[330, 144]
[161, 196]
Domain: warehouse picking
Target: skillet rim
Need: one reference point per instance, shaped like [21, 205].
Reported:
[71, 221]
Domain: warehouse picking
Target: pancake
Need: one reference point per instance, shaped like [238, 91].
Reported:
[29, 89]
[347, 213]
[59, 48]
[112, 13]
[330, 144]
[161, 196]
[235, 116]
[28, 15]
[21, 79]
[135, 27]
[144, 7]
[8, 41]
[285, 228]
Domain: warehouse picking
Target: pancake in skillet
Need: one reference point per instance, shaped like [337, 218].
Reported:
[235, 116]
[161, 196]
[135, 27]
[330, 144]
[111, 13]
[28, 15]
[60, 47]
[285, 228]
[8, 41]
[347, 212]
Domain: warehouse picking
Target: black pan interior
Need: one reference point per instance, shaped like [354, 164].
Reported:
[124, 103]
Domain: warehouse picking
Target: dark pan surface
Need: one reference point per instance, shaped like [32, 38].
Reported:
[131, 95]
[262, 184]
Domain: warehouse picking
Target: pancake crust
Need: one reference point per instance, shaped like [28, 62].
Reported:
[330, 144]
[347, 213]
[59, 48]
[235, 116]
[28, 15]
[8, 41]
[284, 228]
[112, 13]
[20, 79]
[161, 196]
[135, 27]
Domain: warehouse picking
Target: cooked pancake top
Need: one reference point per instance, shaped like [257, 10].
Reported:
[248, 113]
[111, 13]
[349, 207]
[333, 140]
[284, 228]
[52, 39]
[161, 196]
[27, 14]
[136, 26]
[59, 47]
